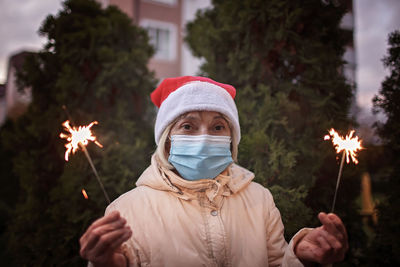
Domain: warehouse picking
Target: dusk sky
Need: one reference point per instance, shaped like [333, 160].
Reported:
[374, 19]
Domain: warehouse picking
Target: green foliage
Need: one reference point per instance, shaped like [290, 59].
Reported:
[94, 63]
[284, 59]
[292, 207]
[389, 95]
[385, 247]
[8, 192]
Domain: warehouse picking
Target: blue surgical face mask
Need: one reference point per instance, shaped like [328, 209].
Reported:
[200, 156]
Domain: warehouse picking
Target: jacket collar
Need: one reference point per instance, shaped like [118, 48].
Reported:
[231, 181]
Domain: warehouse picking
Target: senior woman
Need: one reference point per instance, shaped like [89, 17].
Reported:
[193, 206]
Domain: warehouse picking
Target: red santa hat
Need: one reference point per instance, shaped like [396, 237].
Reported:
[176, 96]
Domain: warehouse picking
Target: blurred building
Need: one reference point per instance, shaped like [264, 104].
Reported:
[347, 23]
[14, 102]
[165, 22]
[2, 103]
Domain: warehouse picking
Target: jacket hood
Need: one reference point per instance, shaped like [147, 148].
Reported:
[232, 181]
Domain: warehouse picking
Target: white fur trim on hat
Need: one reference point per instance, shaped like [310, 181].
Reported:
[196, 96]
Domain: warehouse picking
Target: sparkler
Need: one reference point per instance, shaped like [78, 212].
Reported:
[79, 137]
[84, 194]
[350, 146]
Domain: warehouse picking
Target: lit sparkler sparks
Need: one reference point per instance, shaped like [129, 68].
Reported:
[350, 146]
[84, 194]
[78, 137]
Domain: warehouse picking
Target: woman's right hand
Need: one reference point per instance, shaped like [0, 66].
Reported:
[101, 242]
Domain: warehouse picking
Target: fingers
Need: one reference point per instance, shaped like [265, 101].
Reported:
[321, 247]
[104, 237]
[110, 241]
[314, 247]
[112, 217]
[118, 242]
[338, 223]
[323, 243]
[334, 226]
[332, 241]
[93, 235]
[334, 233]
[103, 220]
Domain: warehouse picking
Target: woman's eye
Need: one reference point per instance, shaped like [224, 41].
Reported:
[219, 127]
[186, 127]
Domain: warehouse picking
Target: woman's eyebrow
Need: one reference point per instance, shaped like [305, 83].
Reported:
[219, 117]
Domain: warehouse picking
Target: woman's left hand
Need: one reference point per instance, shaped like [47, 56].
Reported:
[325, 244]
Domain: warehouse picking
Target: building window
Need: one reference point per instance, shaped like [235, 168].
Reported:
[162, 37]
[159, 38]
[104, 3]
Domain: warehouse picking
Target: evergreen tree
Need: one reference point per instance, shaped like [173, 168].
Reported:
[284, 57]
[9, 192]
[385, 247]
[94, 63]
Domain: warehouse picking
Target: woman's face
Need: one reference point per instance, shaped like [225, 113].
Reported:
[201, 122]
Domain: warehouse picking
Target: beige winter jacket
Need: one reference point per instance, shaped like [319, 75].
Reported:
[228, 221]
